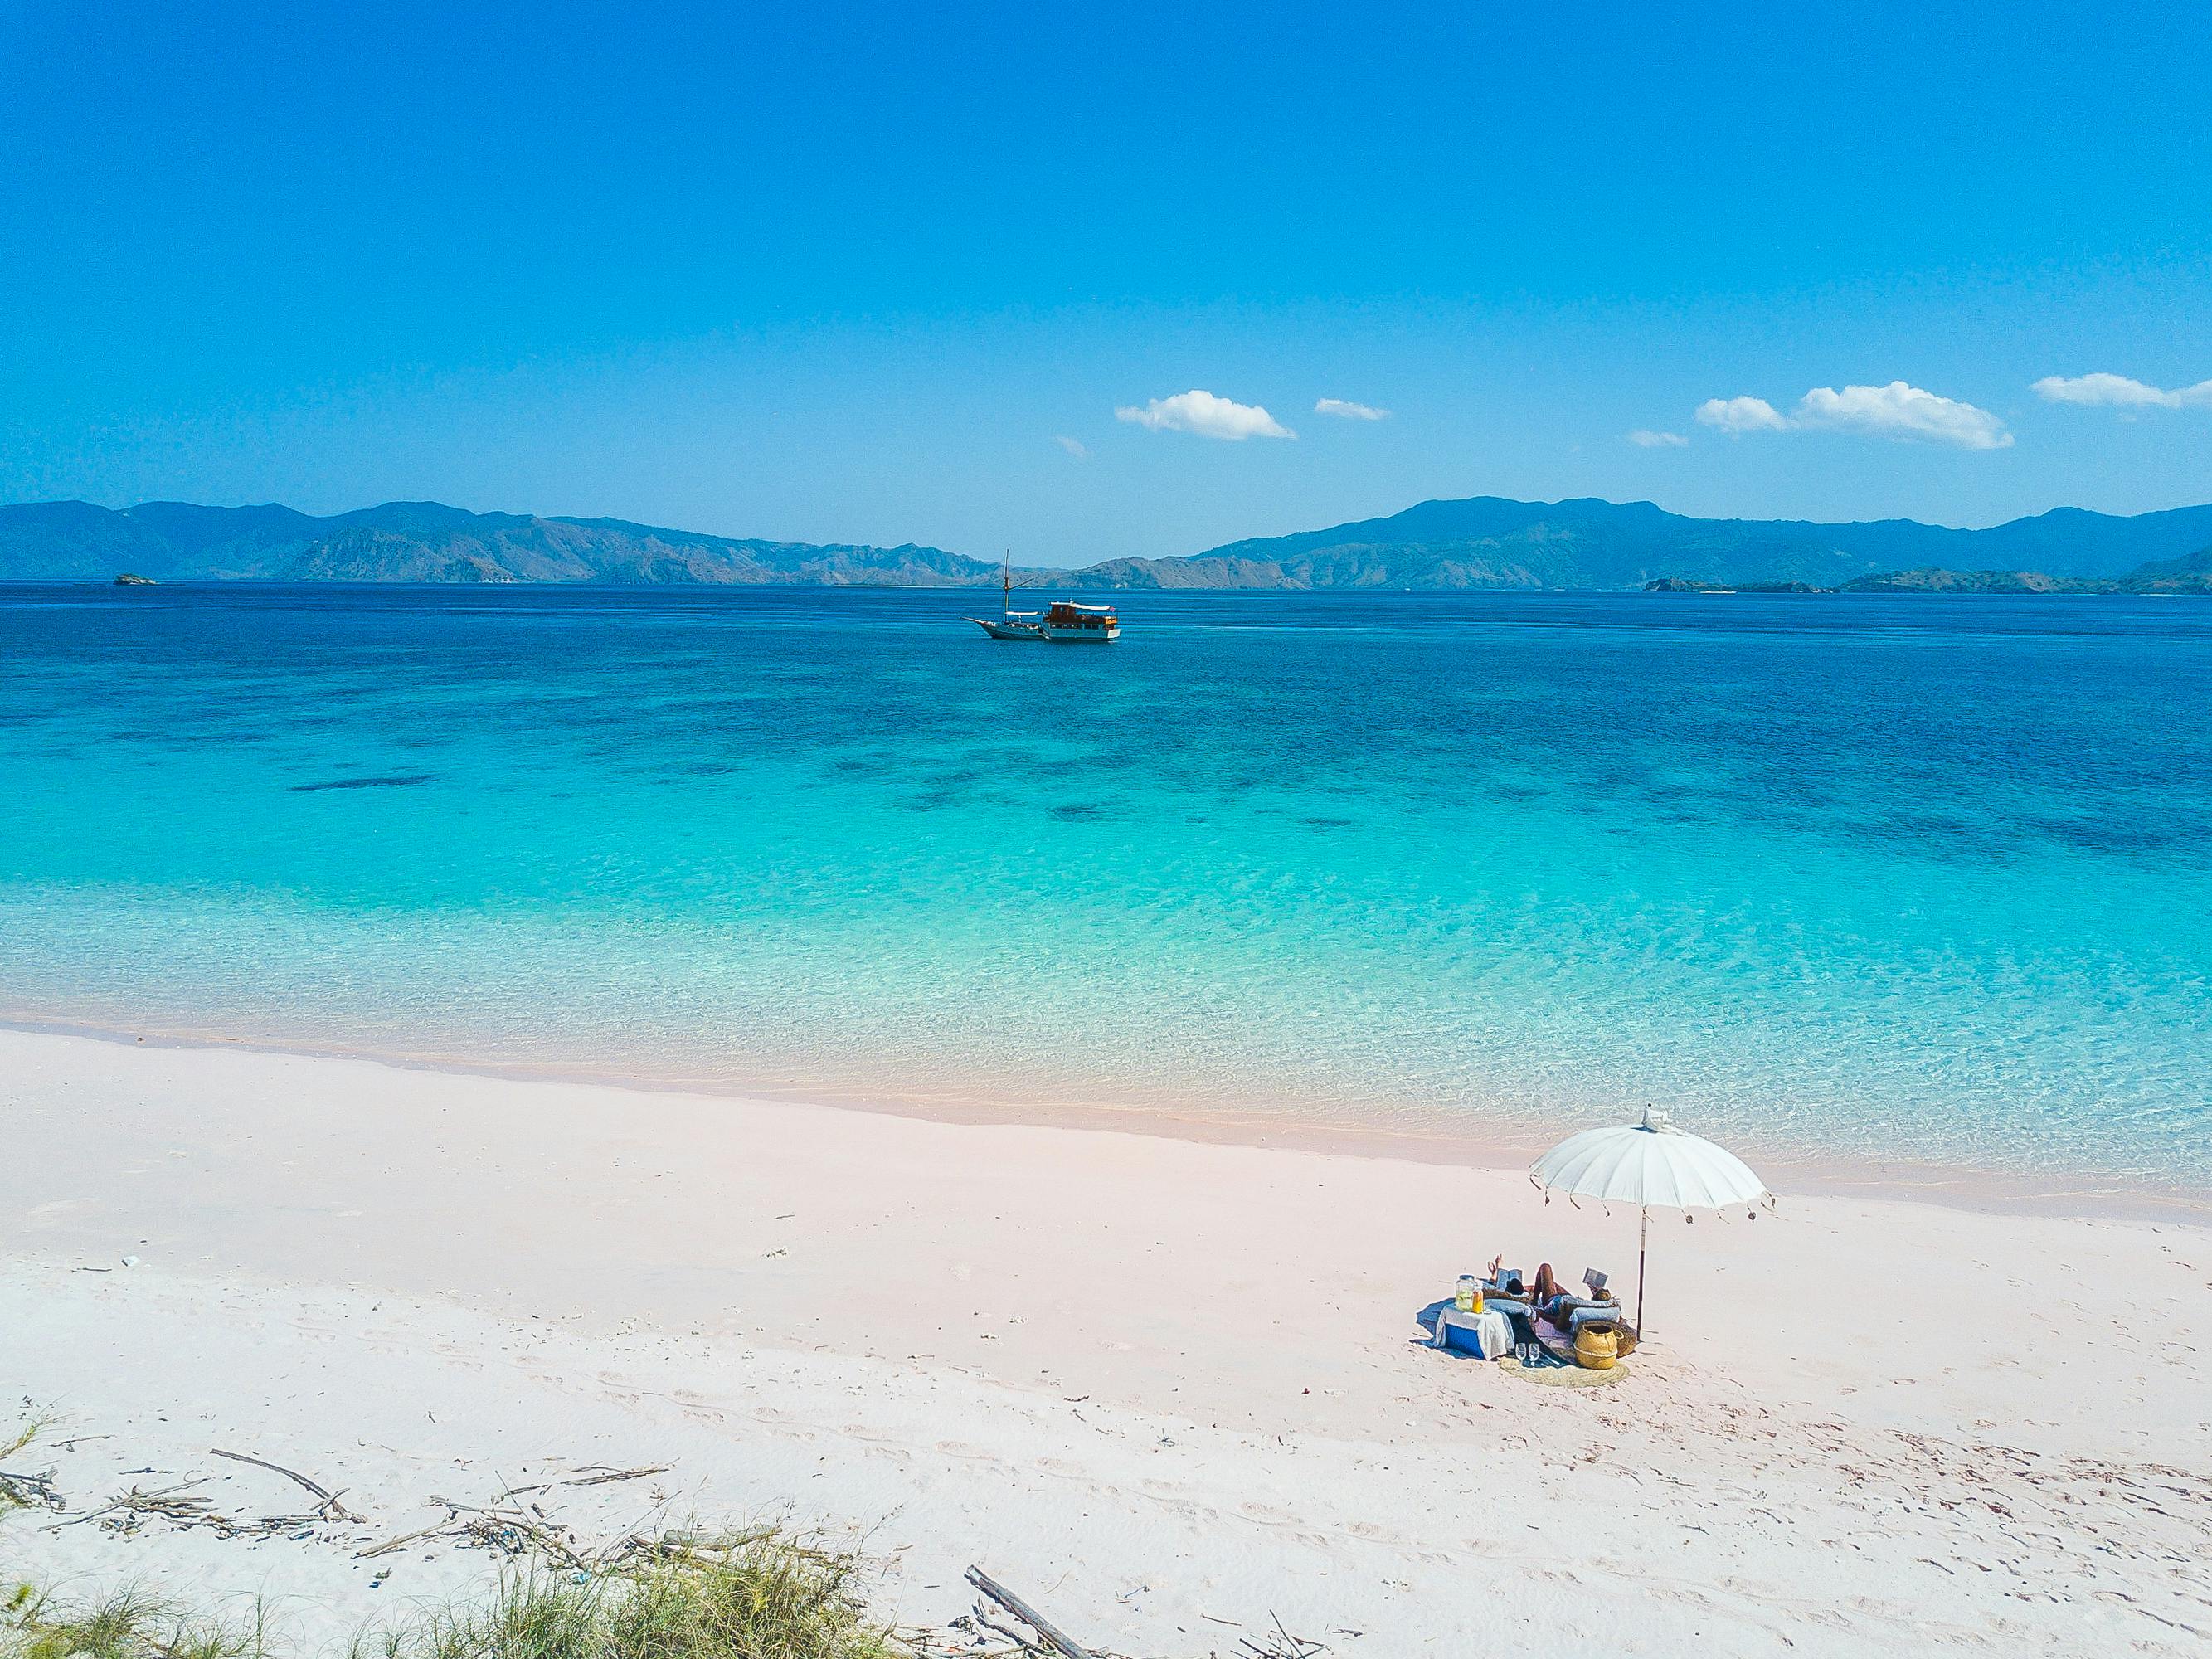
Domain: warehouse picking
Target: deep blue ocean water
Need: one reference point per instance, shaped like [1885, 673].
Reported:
[1858, 877]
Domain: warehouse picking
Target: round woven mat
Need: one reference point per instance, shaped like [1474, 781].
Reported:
[1565, 1377]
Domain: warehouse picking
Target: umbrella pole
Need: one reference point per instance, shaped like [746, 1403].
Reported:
[1642, 1238]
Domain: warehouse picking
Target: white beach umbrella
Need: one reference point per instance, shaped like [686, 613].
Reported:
[1651, 1164]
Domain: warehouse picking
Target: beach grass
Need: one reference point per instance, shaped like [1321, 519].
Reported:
[131, 1623]
[772, 1599]
[765, 1596]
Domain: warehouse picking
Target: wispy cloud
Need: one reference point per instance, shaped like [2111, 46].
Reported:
[2118, 392]
[1900, 411]
[1645, 438]
[1072, 446]
[1737, 415]
[1207, 416]
[1350, 411]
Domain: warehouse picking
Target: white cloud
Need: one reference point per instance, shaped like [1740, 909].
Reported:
[1349, 411]
[1207, 416]
[1737, 415]
[1074, 446]
[2118, 392]
[1902, 411]
[1897, 411]
[1643, 438]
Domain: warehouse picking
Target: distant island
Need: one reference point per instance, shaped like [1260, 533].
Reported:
[1483, 542]
[1691, 585]
[2192, 574]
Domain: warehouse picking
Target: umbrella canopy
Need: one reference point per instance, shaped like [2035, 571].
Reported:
[1649, 1164]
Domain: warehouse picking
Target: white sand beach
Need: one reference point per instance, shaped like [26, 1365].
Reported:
[1169, 1390]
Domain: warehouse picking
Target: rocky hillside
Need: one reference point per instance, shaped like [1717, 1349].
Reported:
[1489, 542]
[424, 542]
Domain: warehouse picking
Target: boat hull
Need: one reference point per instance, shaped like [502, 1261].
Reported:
[1009, 630]
[1000, 630]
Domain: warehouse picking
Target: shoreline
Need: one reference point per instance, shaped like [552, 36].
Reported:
[1504, 1146]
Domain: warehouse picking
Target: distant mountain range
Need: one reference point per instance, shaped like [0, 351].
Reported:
[424, 542]
[1483, 543]
[1488, 542]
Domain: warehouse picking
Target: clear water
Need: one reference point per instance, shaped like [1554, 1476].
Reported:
[1870, 877]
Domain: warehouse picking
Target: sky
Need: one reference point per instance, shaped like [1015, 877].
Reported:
[1081, 282]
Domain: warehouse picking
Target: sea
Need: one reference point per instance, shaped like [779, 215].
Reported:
[1891, 883]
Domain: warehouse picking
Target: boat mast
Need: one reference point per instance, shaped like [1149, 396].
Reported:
[1007, 587]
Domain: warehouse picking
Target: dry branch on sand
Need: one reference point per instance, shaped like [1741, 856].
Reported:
[180, 1507]
[331, 1508]
[978, 1634]
[1054, 1639]
[516, 1533]
[1281, 1644]
[604, 1475]
[23, 1490]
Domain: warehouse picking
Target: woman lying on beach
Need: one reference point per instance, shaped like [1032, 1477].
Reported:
[1552, 1302]
[1557, 1303]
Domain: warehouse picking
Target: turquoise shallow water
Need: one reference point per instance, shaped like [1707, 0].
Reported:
[1903, 878]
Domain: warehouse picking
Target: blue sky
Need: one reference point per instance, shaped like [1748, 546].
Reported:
[888, 273]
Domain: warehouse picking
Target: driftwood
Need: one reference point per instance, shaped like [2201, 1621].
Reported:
[160, 1501]
[331, 1510]
[390, 1544]
[28, 1489]
[694, 1548]
[1283, 1645]
[1056, 1637]
[603, 1477]
[607, 1474]
[509, 1531]
[511, 1535]
[170, 1504]
[969, 1637]
[512, 1532]
[1022, 1643]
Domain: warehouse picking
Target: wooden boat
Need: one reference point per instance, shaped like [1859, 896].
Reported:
[1062, 623]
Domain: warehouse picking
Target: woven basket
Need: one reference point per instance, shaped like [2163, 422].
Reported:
[1596, 1349]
